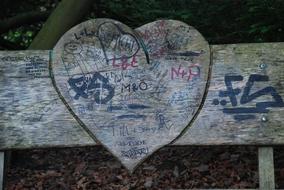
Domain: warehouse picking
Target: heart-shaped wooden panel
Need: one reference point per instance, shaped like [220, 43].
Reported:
[134, 91]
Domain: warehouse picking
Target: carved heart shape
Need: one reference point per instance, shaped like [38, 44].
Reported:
[134, 91]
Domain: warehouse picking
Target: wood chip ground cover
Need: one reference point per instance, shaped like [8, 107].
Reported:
[170, 168]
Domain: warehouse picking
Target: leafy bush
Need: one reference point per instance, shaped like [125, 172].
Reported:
[220, 21]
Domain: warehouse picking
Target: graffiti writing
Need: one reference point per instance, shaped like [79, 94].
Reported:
[84, 32]
[135, 152]
[247, 96]
[127, 131]
[133, 87]
[159, 30]
[185, 73]
[132, 142]
[36, 68]
[124, 63]
[24, 58]
[96, 87]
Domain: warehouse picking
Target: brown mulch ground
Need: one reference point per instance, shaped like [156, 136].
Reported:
[171, 167]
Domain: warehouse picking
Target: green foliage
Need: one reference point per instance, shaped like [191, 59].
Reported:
[20, 36]
[220, 21]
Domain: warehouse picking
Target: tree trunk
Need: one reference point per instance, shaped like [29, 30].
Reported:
[67, 14]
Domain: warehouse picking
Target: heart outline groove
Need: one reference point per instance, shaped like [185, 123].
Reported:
[133, 91]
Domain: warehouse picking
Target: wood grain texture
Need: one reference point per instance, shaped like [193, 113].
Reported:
[31, 113]
[133, 91]
[266, 168]
[217, 124]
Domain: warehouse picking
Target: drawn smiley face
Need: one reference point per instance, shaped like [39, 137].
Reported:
[73, 47]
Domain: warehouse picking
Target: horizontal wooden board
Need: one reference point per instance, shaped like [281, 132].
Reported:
[31, 113]
[27, 97]
[248, 109]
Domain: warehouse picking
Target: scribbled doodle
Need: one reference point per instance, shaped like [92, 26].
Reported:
[108, 32]
[177, 38]
[244, 113]
[163, 122]
[130, 106]
[81, 110]
[39, 110]
[113, 38]
[157, 50]
[159, 30]
[73, 47]
[92, 87]
[135, 152]
[112, 108]
[117, 77]
[130, 141]
[79, 85]
[137, 106]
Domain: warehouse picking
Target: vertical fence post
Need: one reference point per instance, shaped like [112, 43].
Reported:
[266, 168]
[2, 161]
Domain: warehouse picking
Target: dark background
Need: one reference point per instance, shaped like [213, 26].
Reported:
[220, 21]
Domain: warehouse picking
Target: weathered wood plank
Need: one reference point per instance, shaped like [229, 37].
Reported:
[20, 110]
[31, 113]
[254, 118]
[266, 168]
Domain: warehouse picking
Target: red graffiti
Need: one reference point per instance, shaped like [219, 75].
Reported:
[123, 64]
[160, 52]
[155, 31]
[185, 73]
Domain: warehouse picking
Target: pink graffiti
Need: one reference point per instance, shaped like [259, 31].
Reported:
[186, 73]
[157, 30]
[123, 64]
[160, 52]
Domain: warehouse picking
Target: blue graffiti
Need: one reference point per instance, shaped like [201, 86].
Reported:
[92, 87]
[247, 96]
[131, 116]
